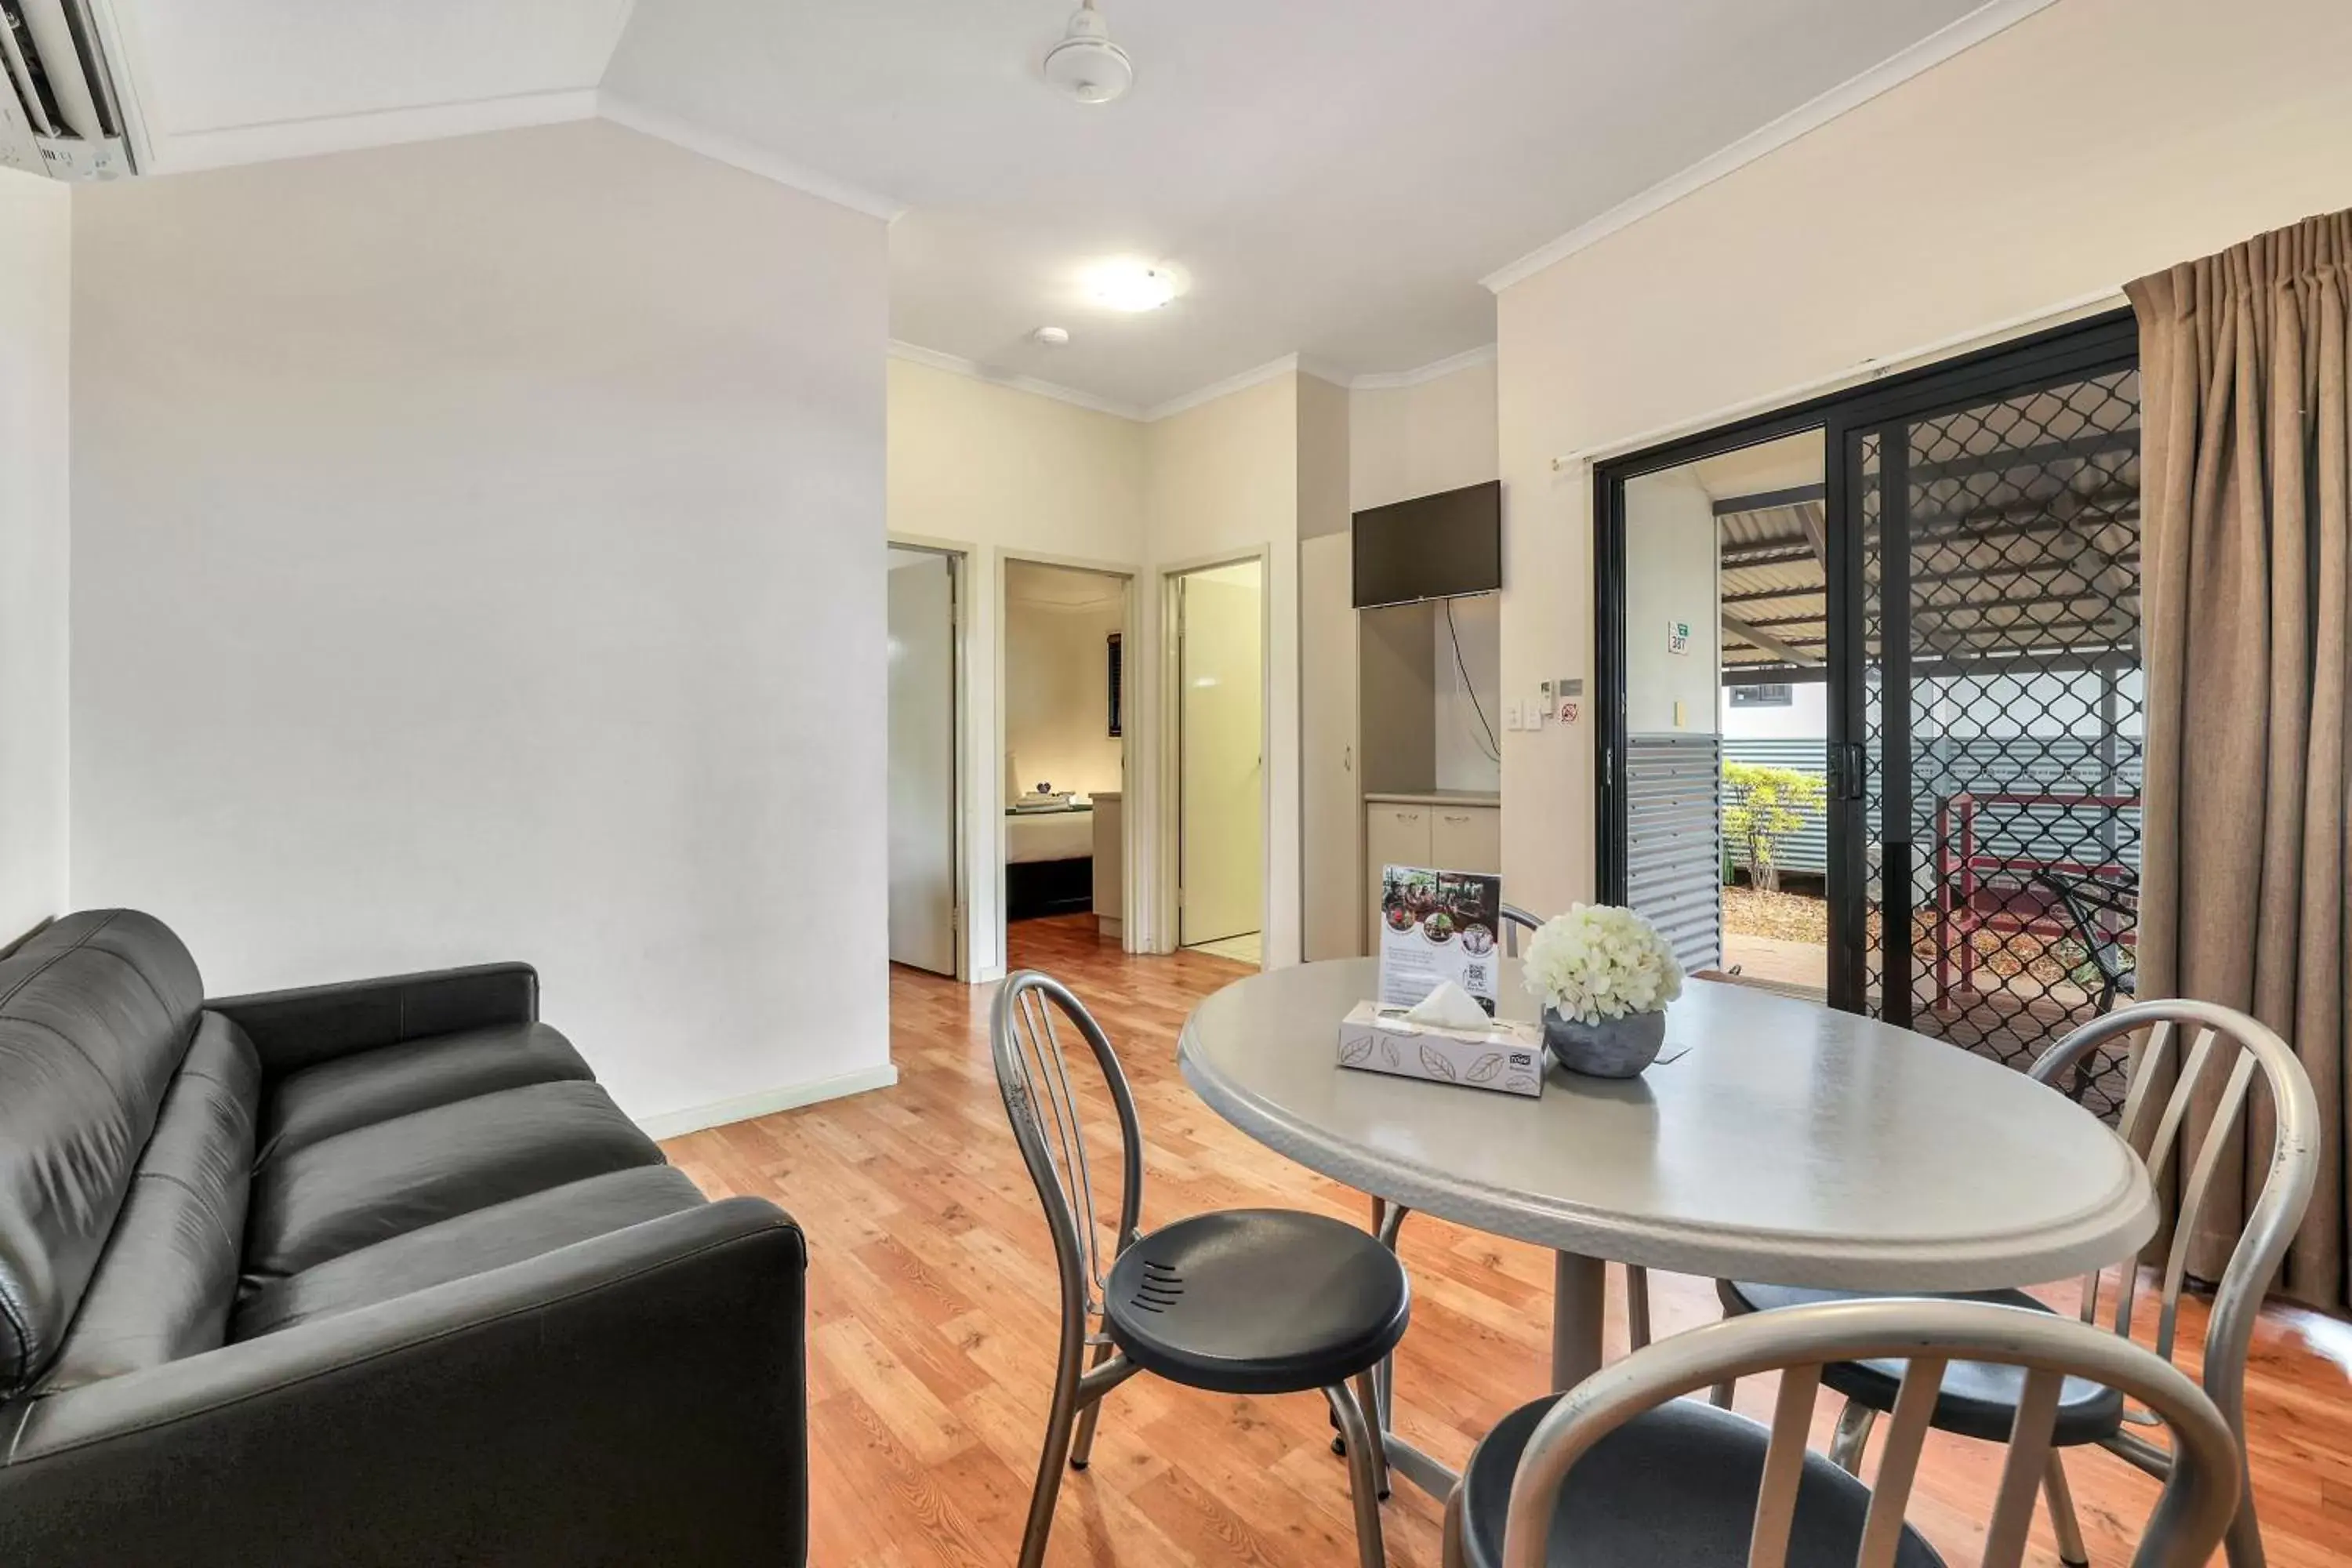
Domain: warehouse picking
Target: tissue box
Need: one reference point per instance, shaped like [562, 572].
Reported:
[1505, 1057]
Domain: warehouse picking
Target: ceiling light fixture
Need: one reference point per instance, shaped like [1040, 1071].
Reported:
[1131, 286]
[1085, 64]
[1051, 337]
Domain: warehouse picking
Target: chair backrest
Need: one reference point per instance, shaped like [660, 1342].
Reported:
[1032, 1073]
[2199, 1497]
[2229, 1043]
[1515, 920]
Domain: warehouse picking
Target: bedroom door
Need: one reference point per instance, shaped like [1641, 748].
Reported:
[1220, 753]
[922, 790]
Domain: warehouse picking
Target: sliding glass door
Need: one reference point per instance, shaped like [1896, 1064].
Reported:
[1965, 597]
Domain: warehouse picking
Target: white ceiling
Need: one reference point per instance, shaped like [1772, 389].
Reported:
[1335, 176]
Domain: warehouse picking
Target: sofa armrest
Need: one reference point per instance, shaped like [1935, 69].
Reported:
[636, 1398]
[313, 1024]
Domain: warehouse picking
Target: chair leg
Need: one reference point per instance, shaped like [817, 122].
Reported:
[1852, 1436]
[1637, 1305]
[1048, 1490]
[1363, 1475]
[1453, 1555]
[1083, 1449]
[1367, 1396]
[2063, 1522]
[1720, 1395]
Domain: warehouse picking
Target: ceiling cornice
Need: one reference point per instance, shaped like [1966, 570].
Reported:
[954, 364]
[1929, 52]
[175, 153]
[1289, 364]
[743, 155]
[1468, 359]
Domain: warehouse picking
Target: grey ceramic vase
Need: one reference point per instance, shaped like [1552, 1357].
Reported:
[1614, 1048]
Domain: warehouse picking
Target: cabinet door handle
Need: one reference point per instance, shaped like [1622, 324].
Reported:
[1451, 817]
[1347, 759]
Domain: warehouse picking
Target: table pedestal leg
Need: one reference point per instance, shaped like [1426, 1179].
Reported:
[1580, 1298]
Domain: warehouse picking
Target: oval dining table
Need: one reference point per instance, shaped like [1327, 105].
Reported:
[1774, 1140]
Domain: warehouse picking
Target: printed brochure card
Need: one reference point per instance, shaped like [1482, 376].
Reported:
[1437, 926]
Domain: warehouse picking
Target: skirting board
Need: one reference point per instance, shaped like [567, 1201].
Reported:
[743, 1108]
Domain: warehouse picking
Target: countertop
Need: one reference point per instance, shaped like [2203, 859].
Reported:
[1432, 797]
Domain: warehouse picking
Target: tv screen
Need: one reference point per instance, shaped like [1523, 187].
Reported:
[1432, 548]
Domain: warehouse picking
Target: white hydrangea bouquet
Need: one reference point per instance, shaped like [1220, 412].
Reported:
[1604, 977]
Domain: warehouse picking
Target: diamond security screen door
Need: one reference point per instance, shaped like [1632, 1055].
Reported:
[1985, 859]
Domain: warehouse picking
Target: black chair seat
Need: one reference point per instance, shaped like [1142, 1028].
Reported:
[1978, 1400]
[1257, 1302]
[1675, 1485]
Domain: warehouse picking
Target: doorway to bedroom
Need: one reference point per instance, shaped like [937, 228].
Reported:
[1063, 764]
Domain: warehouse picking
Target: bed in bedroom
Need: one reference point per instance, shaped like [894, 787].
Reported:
[1049, 862]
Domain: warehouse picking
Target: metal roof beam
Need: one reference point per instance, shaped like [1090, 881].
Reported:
[1767, 642]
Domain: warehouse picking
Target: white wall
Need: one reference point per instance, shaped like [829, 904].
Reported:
[1806, 718]
[1467, 711]
[1057, 691]
[477, 553]
[2093, 142]
[35, 307]
[1002, 473]
[1670, 575]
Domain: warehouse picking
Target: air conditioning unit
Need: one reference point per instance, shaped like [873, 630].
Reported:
[62, 115]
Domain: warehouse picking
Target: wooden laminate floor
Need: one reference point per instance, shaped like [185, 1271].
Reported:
[931, 1318]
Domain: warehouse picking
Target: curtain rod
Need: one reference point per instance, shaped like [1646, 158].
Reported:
[1868, 371]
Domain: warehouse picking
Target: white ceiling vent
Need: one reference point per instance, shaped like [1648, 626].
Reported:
[61, 115]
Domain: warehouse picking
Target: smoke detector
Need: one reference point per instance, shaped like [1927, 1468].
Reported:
[1085, 64]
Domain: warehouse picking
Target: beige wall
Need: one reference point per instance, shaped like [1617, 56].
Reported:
[1417, 440]
[1221, 481]
[35, 249]
[1435, 435]
[2091, 143]
[1007, 474]
[1057, 689]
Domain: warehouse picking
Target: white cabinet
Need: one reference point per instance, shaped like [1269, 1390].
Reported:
[1432, 831]
[1394, 835]
[1467, 838]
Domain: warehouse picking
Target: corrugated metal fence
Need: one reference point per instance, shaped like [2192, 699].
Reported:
[1675, 868]
[2021, 764]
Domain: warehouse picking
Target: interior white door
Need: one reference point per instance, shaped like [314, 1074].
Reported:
[1221, 757]
[922, 761]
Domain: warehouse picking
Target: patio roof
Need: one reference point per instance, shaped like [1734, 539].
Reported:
[2024, 548]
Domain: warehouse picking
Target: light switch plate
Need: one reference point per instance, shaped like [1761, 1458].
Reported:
[1513, 717]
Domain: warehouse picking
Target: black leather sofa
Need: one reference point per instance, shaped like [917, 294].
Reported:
[361, 1274]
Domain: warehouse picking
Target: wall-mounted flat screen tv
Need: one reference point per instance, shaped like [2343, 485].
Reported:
[1436, 547]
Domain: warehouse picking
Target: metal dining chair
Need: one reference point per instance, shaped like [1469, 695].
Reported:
[1982, 1401]
[1237, 1301]
[1622, 1472]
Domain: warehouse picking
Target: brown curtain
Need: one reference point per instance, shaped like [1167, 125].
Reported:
[2243, 584]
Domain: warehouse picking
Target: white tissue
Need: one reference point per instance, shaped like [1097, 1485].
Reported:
[1448, 1007]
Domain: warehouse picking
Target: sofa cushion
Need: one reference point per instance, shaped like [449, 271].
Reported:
[96, 1012]
[374, 1183]
[368, 1086]
[168, 1277]
[511, 1232]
